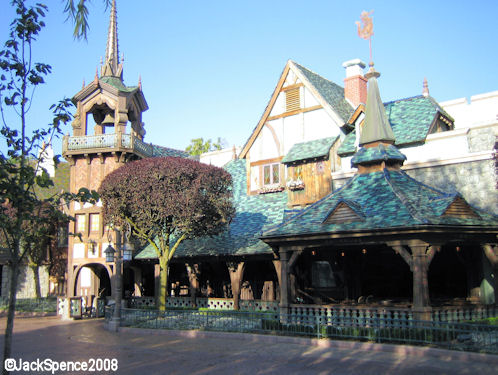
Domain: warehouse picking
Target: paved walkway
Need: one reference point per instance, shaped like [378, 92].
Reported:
[176, 352]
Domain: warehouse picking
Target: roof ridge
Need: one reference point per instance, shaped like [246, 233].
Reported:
[315, 73]
[403, 99]
[410, 208]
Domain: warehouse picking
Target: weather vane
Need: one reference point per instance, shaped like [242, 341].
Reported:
[367, 31]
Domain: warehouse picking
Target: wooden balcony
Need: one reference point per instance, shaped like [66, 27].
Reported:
[105, 143]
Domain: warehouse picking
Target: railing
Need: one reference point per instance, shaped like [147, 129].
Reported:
[109, 141]
[449, 314]
[31, 304]
[457, 336]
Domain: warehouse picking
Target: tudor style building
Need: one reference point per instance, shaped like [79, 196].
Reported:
[307, 145]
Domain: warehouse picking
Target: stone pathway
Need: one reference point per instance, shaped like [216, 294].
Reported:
[190, 352]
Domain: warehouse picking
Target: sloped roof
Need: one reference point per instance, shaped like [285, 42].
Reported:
[117, 83]
[387, 199]
[410, 119]
[254, 213]
[330, 91]
[166, 151]
[60, 180]
[308, 150]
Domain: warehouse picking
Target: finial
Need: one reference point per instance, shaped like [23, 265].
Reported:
[83, 84]
[367, 31]
[111, 63]
[140, 82]
[425, 90]
[101, 61]
[122, 57]
[96, 78]
[234, 153]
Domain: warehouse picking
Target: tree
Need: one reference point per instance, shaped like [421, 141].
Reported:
[165, 201]
[198, 146]
[20, 75]
[77, 12]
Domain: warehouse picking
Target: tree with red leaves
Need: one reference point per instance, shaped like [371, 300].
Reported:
[165, 201]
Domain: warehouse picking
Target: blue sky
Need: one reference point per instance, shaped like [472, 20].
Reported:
[208, 68]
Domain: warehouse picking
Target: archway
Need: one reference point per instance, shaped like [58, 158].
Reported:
[92, 280]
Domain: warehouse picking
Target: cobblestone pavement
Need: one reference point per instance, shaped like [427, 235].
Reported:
[175, 352]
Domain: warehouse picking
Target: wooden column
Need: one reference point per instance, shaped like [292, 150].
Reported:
[236, 271]
[284, 280]
[421, 304]
[193, 272]
[418, 260]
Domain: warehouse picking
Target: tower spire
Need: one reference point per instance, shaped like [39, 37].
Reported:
[112, 66]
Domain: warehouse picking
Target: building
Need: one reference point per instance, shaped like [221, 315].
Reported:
[107, 132]
[305, 156]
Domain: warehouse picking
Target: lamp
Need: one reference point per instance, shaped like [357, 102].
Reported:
[127, 251]
[109, 254]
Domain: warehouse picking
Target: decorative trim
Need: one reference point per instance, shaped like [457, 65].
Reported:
[295, 112]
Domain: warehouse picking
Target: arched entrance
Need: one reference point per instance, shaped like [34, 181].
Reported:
[92, 280]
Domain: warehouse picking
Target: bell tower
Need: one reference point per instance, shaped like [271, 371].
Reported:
[115, 111]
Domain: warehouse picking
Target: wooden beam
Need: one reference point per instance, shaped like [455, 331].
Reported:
[292, 260]
[405, 254]
[267, 161]
[295, 112]
[290, 87]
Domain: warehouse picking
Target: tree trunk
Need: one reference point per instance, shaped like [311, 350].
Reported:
[7, 346]
[163, 283]
[36, 277]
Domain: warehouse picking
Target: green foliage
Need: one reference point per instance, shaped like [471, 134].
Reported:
[77, 12]
[198, 146]
[167, 200]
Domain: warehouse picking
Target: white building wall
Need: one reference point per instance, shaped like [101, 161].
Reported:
[218, 158]
[481, 109]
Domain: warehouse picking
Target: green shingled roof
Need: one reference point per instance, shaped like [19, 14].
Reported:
[331, 92]
[254, 213]
[377, 154]
[410, 119]
[117, 83]
[385, 199]
[308, 150]
[166, 151]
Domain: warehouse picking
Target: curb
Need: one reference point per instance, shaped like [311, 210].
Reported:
[401, 350]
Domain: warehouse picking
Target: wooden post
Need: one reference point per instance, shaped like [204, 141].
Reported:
[236, 271]
[421, 304]
[193, 272]
[284, 280]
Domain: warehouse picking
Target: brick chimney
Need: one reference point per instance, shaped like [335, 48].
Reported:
[355, 85]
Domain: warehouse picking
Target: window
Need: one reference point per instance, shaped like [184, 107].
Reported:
[271, 174]
[292, 100]
[80, 223]
[94, 223]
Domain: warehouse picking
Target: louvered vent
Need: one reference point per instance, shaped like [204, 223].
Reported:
[292, 100]
[460, 208]
[342, 214]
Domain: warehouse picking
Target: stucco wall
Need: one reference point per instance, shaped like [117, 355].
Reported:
[26, 284]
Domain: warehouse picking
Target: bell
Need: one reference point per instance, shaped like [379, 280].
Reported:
[108, 120]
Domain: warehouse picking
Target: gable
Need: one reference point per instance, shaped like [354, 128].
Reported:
[411, 119]
[460, 208]
[300, 91]
[342, 213]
